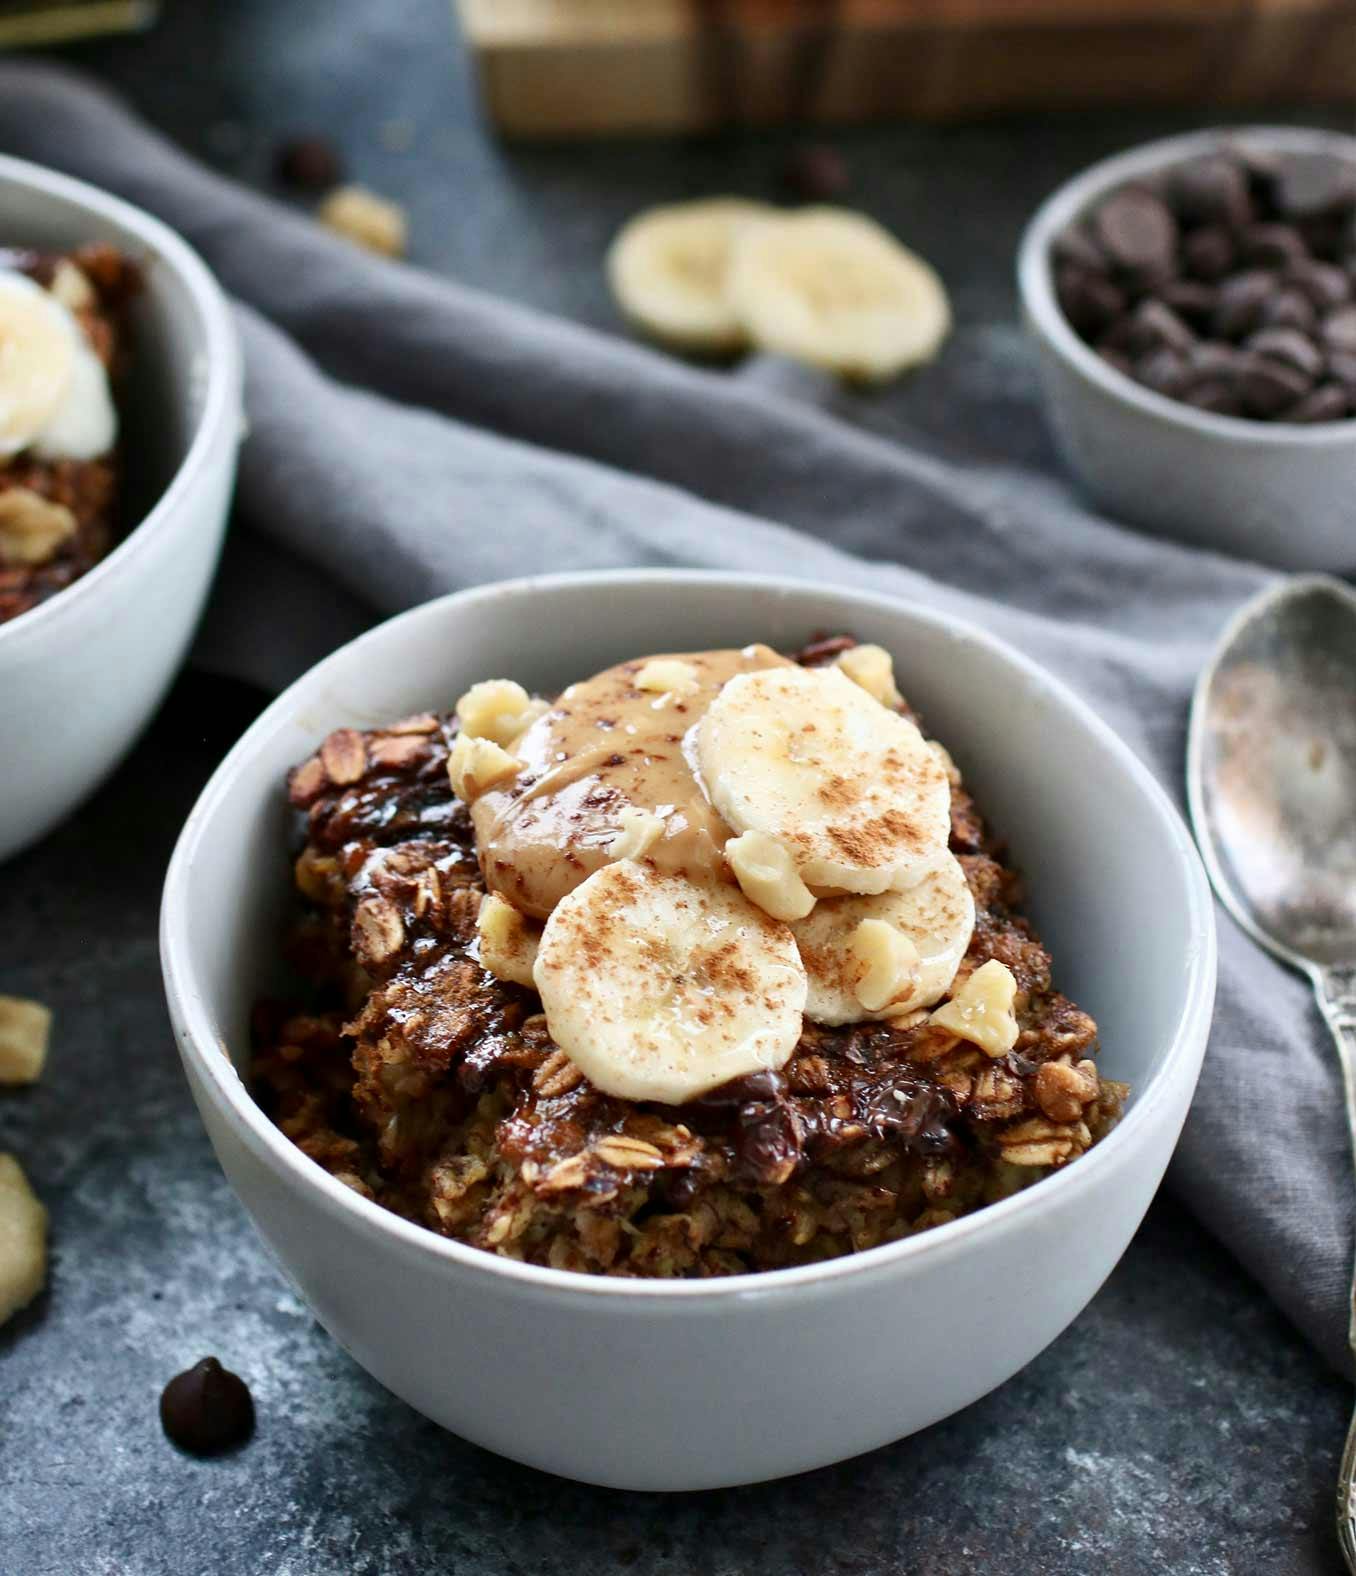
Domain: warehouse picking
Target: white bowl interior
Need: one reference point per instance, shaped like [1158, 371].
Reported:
[163, 400]
[1116, 890]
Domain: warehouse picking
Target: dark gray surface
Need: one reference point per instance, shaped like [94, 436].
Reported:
[1178, 1426]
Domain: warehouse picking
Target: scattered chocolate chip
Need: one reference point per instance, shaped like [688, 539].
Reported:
[1313, 184]
[815, 172]
[1210, 360]
[1328, 402]
[308, 163]
[1209, 253]
[1154, 325]
[207, 1409]
[1138, 233]
[1210, 190]
[1290, 346]
[1267, 387]
[1342, 367]
[1238, 306]
[1339, 330]
[1272, 245]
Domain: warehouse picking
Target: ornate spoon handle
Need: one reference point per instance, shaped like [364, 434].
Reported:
[1336, 990]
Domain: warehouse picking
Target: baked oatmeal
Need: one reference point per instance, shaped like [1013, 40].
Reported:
[63, 348]
[709, 966]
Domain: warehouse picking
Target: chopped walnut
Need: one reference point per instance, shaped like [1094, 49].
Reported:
[25, 1028]
[1062, 1091]
[32, 528]
[23, 1240]
[366, 219]
[981, 1010]
[637, 832]
[473, 765]
[873, 668]
[767, 876]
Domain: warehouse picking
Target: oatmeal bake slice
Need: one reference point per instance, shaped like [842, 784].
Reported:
[419, 1067]
[64, 344]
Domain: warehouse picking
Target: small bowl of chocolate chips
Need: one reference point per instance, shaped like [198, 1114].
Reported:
[1194, 307]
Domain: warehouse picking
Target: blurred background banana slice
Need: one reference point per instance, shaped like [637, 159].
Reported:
[834, 289]
[668, 271]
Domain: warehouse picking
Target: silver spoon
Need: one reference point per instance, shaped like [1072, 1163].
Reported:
[1271, 779]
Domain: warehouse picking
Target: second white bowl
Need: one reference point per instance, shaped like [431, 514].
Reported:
[1269, 491]
[699, 1384]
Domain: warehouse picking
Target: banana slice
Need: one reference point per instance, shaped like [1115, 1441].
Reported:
[849, 788]
[658, 989]
[835, 289]
[668, 271]
[936, 917]
[37, 360]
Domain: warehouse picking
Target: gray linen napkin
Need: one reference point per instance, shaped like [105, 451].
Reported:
[408, 436]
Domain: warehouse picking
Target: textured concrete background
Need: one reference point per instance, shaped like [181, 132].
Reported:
[1178, 1426]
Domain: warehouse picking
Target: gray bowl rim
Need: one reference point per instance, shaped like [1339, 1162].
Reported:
[199, 1045]
[220, 402]
[1035, 281]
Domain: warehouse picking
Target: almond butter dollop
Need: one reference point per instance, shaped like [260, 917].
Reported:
[612, 743]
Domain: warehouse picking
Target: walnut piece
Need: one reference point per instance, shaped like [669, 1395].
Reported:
[498, 709]
[981, 1011]
[25, 1027]
[508, 945]
[873, 668]
[1062, 1091]
[667, 676]
[366, 219]
[32, 527]
[767, 876]
[473, 765]
[887, 961]
[637, 832]
[23, 1240]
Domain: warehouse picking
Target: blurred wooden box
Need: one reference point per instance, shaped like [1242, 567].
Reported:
[559, 67]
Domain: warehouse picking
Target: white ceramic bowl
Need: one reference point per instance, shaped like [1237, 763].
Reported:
[1276, 493]
[655, 1385]
[81, 673]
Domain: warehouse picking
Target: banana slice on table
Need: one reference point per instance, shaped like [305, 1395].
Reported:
[37, 360]
[849, 788]
[658, 989]
[835, 289]
[668, 271]
[855, 974]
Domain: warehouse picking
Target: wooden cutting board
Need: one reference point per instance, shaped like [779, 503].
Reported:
[561, 67]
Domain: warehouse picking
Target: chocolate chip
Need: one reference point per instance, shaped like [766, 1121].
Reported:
[1328, 402]
[1217, 395]
[1211, 360]
[1290, 346]
[1313, 184]
[815, 172]
[207, 1409]
[308, 163]
[1272, 245]
[1154, 325]
[1164, 371]
[1288, 309]
[1238, 307]
[1339, 330]
[1324, 284]
[1268, 387]
[1342, 367]
[1089, 300]
[1189, 298]
[1138, 233]
[1074, 245]
[1210, 190]
[1209, 253]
